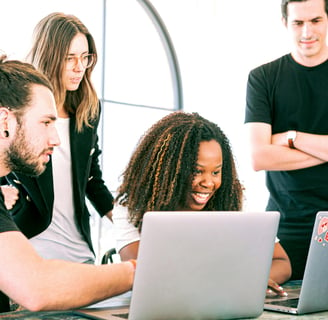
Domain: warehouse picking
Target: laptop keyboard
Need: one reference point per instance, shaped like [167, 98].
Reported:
[292, 303]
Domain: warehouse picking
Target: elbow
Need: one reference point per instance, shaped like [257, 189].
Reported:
[257, 168]
[34, 305]
[35, 302]
[256, 164]
[260, 159]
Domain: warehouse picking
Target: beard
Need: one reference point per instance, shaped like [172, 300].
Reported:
[20, 156]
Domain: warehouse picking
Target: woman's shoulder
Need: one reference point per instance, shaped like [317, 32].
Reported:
[120, 212]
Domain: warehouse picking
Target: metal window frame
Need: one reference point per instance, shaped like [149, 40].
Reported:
[167, 46]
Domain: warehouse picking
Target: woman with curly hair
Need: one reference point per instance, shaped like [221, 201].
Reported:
[184, 162]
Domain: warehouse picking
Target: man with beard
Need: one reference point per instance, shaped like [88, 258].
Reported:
[27, 138]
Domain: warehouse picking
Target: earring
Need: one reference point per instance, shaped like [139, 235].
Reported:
[6, 133]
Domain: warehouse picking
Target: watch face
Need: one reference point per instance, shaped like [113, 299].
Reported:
[291, 135]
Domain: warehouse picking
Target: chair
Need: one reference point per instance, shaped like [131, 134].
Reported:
[108, 256]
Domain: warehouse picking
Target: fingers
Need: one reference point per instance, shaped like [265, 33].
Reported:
[10, 195]
[275, 289]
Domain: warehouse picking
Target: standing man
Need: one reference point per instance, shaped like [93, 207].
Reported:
[27, 139]
[287, 121]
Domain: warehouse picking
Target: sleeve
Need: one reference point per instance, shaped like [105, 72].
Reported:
[97, 192]
[125, 232]
[27, 215]
[258, 97]
[6, 222]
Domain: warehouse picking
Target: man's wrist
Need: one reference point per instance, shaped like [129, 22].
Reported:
[291, 137]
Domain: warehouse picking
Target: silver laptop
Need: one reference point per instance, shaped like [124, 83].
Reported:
[193, 265]
[203, 265]
[312, 294]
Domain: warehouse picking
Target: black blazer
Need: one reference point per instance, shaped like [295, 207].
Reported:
[33, 211]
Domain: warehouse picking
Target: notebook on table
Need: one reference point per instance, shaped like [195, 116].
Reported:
[311, 294]
[203, 265]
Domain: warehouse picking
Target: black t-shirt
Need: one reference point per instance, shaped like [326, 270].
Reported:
[289, 96]
[6, 224]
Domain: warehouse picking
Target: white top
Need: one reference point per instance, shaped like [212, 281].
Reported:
[62, 239]
[126, 232]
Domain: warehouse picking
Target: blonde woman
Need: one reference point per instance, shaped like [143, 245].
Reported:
[54, 204]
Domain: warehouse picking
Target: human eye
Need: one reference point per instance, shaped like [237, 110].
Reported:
[197, 171]
[297, 23]
[48, 121]
[316, 20]
[69, 58]
[85, 57]
[216, 173]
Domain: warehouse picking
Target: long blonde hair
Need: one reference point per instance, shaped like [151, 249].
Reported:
[52, 38]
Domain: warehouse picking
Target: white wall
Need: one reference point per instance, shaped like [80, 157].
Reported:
[217, 43]
[19, 17]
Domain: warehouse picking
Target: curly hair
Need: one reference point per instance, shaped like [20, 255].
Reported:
[160, 172]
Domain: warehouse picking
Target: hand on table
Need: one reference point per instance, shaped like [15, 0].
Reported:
[275, 288]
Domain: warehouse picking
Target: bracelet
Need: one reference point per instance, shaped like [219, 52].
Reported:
[133, 262]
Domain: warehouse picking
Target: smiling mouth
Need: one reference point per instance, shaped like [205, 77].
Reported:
[201, 198]
[308, 41]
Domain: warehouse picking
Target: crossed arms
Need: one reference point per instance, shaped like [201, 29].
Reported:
[271, 152]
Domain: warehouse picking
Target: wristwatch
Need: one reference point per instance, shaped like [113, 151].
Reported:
[291, 136]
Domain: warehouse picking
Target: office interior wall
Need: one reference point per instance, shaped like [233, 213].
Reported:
[217, 43]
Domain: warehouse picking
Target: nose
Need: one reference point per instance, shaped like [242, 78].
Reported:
[78, 65]
[307, 30]
[207, 181]
[54, 139]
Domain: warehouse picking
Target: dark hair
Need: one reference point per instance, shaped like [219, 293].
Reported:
[16, 79]
[284, 5]
[160, 172]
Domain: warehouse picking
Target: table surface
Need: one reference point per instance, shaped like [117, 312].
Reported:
[266, 315]
[107, 313]
[105, 310]
[124, 299]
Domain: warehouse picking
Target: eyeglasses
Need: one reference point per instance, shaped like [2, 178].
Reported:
[86, 60]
